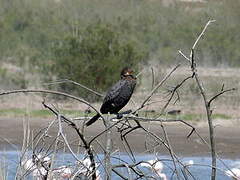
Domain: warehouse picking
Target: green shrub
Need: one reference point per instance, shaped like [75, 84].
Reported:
[83, 31]
[95, 58]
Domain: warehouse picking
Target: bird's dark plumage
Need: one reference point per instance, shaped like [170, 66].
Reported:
[118, 95]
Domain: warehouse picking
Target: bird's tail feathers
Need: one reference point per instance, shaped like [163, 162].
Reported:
[92, 120]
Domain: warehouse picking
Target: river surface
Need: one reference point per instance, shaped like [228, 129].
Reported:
[200, 169]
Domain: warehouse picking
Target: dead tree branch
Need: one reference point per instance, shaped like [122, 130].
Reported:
[219, 94]
[81, 136]
[156, 88]
[60, 81]
[207, 103]
[50, 92]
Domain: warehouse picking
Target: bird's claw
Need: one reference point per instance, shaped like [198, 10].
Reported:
[119, 116]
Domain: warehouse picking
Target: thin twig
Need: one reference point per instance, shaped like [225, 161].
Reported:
[202, 33]
[86, 144]
[60, 81]
[220, 93]
[153, 78]
[49, 92]
[156, 87]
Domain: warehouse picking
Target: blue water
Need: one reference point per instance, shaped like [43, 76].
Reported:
[200, 170]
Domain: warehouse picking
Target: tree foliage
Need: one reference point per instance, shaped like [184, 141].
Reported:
[100, 36]
[95, 57]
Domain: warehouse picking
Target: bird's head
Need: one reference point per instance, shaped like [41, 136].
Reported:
[127, 72]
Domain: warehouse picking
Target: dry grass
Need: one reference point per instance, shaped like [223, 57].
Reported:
[189, 103]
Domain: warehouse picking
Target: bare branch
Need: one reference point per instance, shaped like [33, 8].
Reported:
[156, 87]
[201, 35]
[81, 136]
[180, 52]
[219, 94]
[153, 77]
[207, 104]
[208, 111]
[173, 92]
[60, 81]
[49, 92]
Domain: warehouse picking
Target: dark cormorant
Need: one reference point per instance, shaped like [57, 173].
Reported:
[118, 95]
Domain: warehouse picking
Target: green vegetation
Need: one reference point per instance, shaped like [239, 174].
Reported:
[220, 116]
[17, 112]
[199, 117]
[94, 56]
[12, 112]
[89, 41]
[184, 116]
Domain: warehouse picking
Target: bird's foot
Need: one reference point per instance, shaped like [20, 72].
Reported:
[119, 116]
[126, 112]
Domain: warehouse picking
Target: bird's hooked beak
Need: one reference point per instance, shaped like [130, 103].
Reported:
[127, 74]
[130, 74]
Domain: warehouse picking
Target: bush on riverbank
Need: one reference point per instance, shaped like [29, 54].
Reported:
[49, 37]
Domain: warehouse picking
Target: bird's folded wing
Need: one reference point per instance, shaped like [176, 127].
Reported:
[114, 91]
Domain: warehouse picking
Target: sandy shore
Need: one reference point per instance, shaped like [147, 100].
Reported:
[227, 136]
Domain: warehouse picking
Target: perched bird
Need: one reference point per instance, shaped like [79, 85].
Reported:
[156, 167]
[118, 95]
